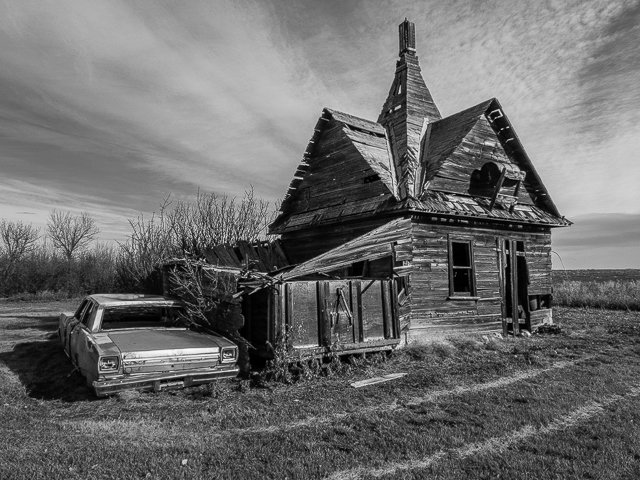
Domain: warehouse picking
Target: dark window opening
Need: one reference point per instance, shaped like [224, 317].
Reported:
[371, 178]
[460, 253]
[461, 269]
[358, 269]
[461, 281]
[142, 316]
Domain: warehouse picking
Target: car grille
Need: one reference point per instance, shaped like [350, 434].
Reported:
[169, 363]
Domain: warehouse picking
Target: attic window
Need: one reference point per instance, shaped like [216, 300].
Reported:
[371, 178]
[494, 115]
[484, 181]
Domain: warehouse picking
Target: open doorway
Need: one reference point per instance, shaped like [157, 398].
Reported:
[514, 286]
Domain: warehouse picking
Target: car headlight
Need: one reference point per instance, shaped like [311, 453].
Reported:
[228, 354]
[108, 364]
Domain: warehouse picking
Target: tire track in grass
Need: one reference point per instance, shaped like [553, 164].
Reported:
[492, 445]
[152, 430]
[431, 397]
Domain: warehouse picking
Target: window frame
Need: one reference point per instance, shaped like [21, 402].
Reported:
[471, 268]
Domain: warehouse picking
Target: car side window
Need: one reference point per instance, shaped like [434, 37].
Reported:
[89, 313]
[80, 309]
[91, 322]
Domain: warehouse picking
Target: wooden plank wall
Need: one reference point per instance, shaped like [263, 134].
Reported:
[538, 255]
[363, 315]
[432, 312]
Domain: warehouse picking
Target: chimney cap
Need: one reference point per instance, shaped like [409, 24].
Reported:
[407, 31]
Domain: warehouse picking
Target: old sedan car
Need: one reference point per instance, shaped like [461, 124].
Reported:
[122, 341]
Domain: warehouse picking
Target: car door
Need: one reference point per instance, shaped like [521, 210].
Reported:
[83, 351]
[70, 324]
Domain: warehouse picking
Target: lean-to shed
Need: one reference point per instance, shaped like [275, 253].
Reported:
[447, 215]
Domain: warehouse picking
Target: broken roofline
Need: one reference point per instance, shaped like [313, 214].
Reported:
[491, 109]
[404, 155]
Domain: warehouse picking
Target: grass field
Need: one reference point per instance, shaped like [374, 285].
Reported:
[611, 289]
[549, 406]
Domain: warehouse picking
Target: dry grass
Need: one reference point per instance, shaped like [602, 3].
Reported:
[612, 294]
[556, 406]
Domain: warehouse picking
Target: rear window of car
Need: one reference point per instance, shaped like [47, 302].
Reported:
[141, 316]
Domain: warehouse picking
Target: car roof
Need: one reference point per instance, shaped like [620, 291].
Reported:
[121, 299]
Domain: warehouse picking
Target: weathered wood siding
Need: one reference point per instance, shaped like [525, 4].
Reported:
[538, 255]
[350, 315]
[433, 311]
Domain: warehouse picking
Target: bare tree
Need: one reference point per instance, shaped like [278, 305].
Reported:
[140, 257]
[69, 233]
[187, 229]
[17, 239]
[217, 219]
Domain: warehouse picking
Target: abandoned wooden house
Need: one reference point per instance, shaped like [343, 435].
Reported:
[447, 215]
[408, 227]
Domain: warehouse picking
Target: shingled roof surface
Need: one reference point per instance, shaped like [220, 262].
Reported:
[448, 133]
[442, 203]
[432, 169]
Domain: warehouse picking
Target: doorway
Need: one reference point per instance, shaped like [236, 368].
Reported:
[514, 286]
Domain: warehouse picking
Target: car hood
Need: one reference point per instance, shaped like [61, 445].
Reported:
[170, 339]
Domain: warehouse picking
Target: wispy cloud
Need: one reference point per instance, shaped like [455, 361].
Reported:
[197, 93]
[114, 104]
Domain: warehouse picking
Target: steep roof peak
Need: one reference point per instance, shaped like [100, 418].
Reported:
[406, 113]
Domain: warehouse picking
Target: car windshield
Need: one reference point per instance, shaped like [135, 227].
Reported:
[141, 316]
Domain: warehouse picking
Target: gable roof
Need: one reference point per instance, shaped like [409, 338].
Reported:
[425, 163]
[368, 141]
[448, 133]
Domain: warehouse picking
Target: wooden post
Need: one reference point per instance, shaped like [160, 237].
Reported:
[514, 287]
[358, 326]
[515, 194]
[497, 188]
[502, 261]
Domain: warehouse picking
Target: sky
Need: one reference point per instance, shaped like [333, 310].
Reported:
[110, 106]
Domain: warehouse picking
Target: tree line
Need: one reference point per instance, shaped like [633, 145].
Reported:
[64, 259]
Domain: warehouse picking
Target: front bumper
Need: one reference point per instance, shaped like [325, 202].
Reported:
[163, 381]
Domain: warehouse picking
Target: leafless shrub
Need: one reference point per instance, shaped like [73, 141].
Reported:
[43, 271]
[71, 234]
[17, 239]
[189, 283]
[217, 219]
[185, 229]
[140, 257]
